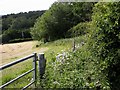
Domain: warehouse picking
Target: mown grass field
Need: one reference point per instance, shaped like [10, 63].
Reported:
[10, 52]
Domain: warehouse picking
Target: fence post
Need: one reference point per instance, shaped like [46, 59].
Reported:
[73, 48]
[42, 64]
[34, 66]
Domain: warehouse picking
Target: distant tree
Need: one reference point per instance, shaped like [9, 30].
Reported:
[14, 25]
[9, 35]
[6, 23]
[19, 23]
[20, 20]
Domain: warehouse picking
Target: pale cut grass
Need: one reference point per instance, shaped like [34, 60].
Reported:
[11, 52]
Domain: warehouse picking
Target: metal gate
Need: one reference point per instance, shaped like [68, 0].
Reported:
[34, 56]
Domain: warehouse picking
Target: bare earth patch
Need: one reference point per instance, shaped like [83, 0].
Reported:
[10, 52]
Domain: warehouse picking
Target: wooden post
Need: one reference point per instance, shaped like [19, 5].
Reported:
[42, 64]
[73, 47]
[34, 66]
[73, 44]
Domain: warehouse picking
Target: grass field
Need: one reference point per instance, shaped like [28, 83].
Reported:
[14, 51]
[10, 52]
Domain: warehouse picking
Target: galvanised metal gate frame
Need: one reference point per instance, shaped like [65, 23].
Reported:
[34, 56]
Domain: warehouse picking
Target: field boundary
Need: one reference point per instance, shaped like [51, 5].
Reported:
[41, 64]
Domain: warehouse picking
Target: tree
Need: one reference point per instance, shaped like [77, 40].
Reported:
[55, 23]
[82, 11]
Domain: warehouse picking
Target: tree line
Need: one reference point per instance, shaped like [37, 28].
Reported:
[17, 26]
[56, 22]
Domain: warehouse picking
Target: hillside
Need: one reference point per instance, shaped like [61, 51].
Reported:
[17, 26]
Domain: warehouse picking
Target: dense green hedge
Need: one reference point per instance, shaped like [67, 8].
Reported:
[105, 40]
[20, 40]
[11, 35]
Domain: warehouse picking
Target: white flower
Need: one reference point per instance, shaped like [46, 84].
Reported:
[55, 82]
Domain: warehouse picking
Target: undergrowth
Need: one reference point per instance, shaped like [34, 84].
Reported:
[78, 69]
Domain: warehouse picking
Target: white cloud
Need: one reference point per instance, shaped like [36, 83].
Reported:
[16, 6]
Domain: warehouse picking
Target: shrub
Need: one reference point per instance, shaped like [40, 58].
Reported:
[20, 40]
[79, 29]
[105, 40]
[74, 70]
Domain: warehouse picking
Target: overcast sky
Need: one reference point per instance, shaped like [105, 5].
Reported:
[16, 6]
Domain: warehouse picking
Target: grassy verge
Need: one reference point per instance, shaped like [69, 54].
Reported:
[60, 46]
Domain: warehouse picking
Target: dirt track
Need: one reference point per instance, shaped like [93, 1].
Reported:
[10, 52]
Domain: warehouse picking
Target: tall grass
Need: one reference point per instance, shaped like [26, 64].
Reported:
[16, 70]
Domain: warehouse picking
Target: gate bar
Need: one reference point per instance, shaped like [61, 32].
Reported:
[28, 85]
[34, 66]
[15, 62]
[17, 78]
